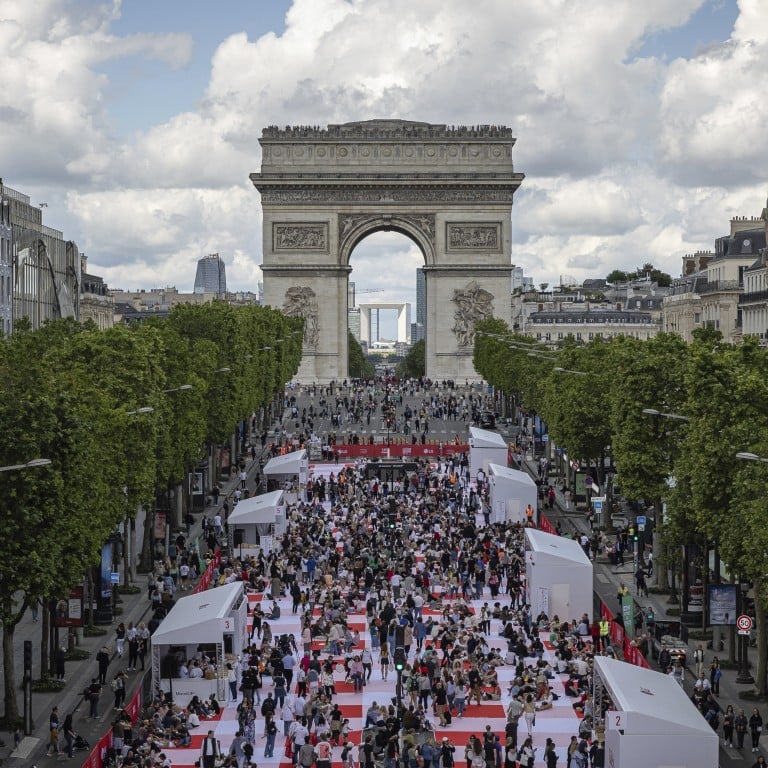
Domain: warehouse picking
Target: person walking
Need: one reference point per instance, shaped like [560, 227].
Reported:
[118, 688]
[102, 659]
[120, 633]
[740, 725]
[755, 729]
[728, 721]
[529, 714]
[69, 735]
[209, 751]
[53, 733]
[61, 661]
[92, 693]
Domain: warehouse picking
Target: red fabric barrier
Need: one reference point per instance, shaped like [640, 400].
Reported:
[397, 451]
[632, 654]
[98, 755]
[207, 577]
[546, 526]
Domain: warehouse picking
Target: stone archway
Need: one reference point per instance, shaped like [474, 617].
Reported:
[448, 189]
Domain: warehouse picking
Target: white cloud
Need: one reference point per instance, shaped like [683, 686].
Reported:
[627, 159]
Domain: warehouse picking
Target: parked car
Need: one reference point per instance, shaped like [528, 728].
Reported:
[488, 420]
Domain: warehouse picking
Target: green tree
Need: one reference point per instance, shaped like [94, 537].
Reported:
[648, 375]
[574, 401]
[357, 365]
[413, 365]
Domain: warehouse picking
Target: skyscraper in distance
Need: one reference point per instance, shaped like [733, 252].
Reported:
[211, 276]
[421, 296]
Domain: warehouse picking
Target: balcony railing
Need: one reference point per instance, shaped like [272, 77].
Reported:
[753, 296]
[718, 286]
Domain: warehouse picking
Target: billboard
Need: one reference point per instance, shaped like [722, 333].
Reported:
[722, 604]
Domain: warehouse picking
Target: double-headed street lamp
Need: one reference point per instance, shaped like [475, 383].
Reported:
[28, 465]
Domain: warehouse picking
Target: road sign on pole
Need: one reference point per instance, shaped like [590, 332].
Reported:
[744, 624]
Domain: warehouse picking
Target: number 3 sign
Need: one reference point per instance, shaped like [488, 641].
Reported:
[615, 721]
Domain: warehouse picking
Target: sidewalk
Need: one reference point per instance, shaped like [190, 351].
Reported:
[135, 608]
[607, 580]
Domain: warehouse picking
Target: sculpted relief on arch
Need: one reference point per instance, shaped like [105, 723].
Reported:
[473, 304]
[301, 301]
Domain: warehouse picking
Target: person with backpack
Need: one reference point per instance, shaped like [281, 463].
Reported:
[271, 731]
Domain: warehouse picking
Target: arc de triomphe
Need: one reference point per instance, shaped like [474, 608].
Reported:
[450, 190]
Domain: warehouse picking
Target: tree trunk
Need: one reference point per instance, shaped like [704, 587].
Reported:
[9, 669]
[147, 548]
[89, 597]
[45, 649]
[762, 641]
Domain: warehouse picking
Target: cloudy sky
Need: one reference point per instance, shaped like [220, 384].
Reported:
[640, 125]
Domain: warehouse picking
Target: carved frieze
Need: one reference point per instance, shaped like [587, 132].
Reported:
[418, 194]
[300, 237]
[473, 237]
[301, 301]
[473, 304]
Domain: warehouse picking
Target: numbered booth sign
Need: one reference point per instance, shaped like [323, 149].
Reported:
[615, 721]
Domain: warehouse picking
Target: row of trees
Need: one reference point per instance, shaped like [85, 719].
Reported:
[105, 407]
[711, 401]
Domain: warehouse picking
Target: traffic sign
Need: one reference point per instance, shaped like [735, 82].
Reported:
[744, 624]
[597, 504]
[545, 438]
[588, 481]
[114, 577]
[641, 520]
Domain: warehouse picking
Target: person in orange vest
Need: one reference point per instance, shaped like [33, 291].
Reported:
[529, 516]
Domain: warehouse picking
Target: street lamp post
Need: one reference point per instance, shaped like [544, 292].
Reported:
[674, 599]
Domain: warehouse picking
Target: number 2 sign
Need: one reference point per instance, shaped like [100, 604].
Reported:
[615, 721]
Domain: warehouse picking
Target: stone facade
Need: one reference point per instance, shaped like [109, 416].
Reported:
[448, 189]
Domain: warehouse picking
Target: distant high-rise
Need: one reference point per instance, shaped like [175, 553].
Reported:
[211, 276]
[421, 296]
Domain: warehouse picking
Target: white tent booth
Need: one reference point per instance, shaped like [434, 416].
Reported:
[213, 623]
[558, 576]
[486, 447]
[255, 522]
[650, 720]
[288, 472]
[511, 492]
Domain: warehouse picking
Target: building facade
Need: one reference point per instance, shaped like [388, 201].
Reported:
[95, 302]
[6, 268]
[211, 275]
[46, 267]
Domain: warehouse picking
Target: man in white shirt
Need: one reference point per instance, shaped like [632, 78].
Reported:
[209, 751]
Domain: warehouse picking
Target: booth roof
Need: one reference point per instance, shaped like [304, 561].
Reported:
[287, 464]
[483, 438]
[654, 702]
[197, 618]
[257, 509]
[556, 547]
[512, 474]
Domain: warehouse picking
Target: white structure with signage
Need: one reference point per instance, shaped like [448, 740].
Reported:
[653, 723]
[214, 623]
[558, 576]
[288, 472]
[511, 492]
[260, 518]
[486, 447]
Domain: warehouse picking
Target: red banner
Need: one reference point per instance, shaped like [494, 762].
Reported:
[620, 638]
[207, 577]
[398, 451]
[98, 756]
[546, 526]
